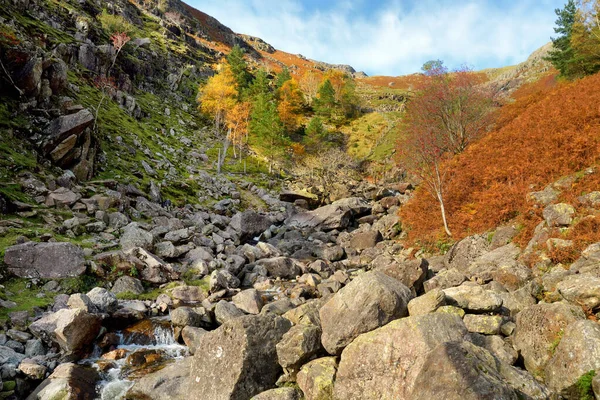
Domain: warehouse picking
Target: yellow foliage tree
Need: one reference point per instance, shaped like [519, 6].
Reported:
[309, 83]
[291, 101]
[338, 81]
[219, 96]
[237, 122]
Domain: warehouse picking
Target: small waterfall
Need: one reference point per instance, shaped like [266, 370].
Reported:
[153, 335]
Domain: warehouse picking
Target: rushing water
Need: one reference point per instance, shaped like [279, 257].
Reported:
[158, 339]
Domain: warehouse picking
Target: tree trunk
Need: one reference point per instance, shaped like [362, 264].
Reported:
[443, 210]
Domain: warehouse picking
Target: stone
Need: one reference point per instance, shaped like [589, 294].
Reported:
[185, 316]
[299, 345]
[188, 294]
[484, 324]
[472, 297]
[337, 215]
[45, 260]
[136, 237]
[558, 215]
[34, 348]
[29, 77]
[368, 302]
[250, 224]
[495, 345]
[467, 250]
[539, 330]
[32, 370]
[278, 307]
[461, 370]
[427, 303]
[80, 300]
[191, 335]
[73, 330]
[411, 273]
[128, 284]
[377, 365]
[238, 360]
[281, 267]
[248, 301]
[285, 393]
[226, 311]
[577, 354]
[104, 300]
[223, 279]
[178, 236]
[307, 313]
[17, 335]
[69, 381]
[9, 356]
[153, 269]
[169, 383]
[581, 289]
[365, 240]
[317, 377]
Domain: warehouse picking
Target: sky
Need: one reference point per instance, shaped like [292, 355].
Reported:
[394, 37]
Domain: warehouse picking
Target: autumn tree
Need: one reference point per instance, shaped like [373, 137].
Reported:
[237, 120]
[219, 95]
[266, 128]
[290, 104]
[448, 112]
[309, 83]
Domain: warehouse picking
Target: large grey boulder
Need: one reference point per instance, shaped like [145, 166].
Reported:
[337, 215]
[411, 273]
[581, 289]
[126, 284]
[45, 260]
[104, 300]
[472, 297]
[299, 345]
[133, 237]
[371, 300]
[169, 383]
[461, 370]
[238, 360]
[250, 224]
[281, 267]
[65, 126]
[384, 363]
[72, 329]
[68, 381]
[559, 214]
[465, 252]
[539, 330]
[577, 354]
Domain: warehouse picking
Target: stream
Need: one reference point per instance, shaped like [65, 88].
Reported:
[142, 348]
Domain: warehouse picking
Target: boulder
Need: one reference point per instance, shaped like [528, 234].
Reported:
[188, 294]
[10, 356]
[68, 381]
[499, 348]
[377, 365]
[581, 289]
[365, 240]
[45, 260]
[337, 215]
[281, 267]
[539, 330]
[472, 297]
[463, 253]
[427, 303]
[445, 279]
[185, 316]
[299, 345]
[250, 224]
[134, 236]
[127, 284]
[316, 378]
[223, 279]
[285, 393]
[226, 311]
[559, 215]
[371, 300]
[484, 324]
[32, 370]
[461, 370]
[577, 354]
[72, 329]
[104, 300]
[238, 360]
[191, 336]
[248, 301]
[65, 126]
[80, 300]
[411, 273]
[169, 383]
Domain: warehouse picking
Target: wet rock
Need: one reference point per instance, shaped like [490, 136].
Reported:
[539, 330]
[376, 365]
[238, 360]
[45, 260]
[316, 378]
[368, 302]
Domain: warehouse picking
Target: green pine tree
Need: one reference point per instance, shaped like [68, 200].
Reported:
[563, 55]
[239, 67]
[259, 86]
[282, 77]
[266, 128]
[325, 102]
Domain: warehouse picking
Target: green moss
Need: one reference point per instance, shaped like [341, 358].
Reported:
[556, 341]
[37, 28]
[24, 294]
[80, 284]
[8, 386]
[584, 386]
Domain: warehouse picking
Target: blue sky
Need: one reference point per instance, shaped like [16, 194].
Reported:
[394, 37]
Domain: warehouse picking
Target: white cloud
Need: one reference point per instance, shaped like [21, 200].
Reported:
[397, 38]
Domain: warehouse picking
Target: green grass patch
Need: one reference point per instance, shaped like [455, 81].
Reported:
[25, 295]
[584, 386]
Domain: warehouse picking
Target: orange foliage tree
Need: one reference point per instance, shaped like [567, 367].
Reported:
[219, 95]
[237, 123]
[551, 131]
[447, 113]
[290, 104]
